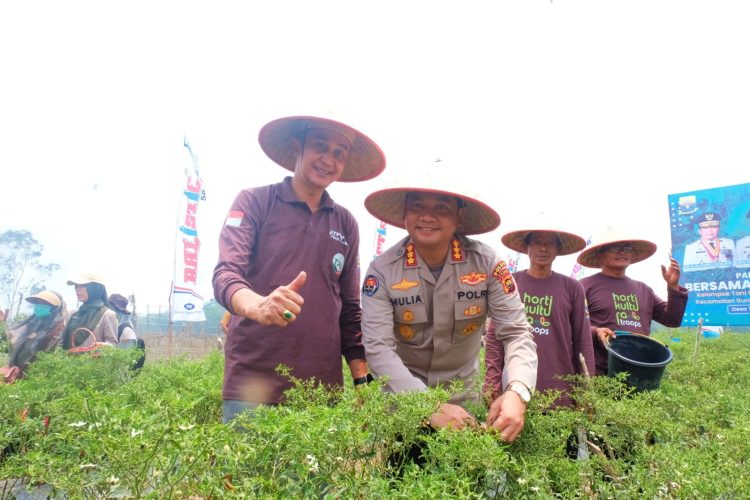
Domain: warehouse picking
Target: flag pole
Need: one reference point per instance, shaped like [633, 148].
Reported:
[170, 323]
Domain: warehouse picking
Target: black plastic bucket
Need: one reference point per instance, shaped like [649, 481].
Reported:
[642, 358]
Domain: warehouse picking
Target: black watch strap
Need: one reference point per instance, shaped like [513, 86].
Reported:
[364, 380]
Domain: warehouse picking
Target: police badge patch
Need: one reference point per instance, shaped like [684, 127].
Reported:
[406, 331]
[502, 274]
[371, 285]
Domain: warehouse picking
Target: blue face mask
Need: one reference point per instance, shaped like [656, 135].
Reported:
[42, 310]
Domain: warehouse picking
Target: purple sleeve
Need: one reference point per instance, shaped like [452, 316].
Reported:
[494, 361]
[581, 330]
[350, 318]
[670, 313]
[236, 248]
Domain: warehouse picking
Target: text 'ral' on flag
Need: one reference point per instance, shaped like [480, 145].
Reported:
[185, 303]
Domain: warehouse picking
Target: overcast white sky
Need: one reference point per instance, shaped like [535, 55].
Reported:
[590, 112]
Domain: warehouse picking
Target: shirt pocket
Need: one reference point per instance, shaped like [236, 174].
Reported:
[410, 323]
[468, 320]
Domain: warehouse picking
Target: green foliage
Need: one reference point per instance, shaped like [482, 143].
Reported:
[21, 272]
[156, 434]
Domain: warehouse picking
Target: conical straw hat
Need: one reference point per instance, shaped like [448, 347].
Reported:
[569, 242]
[388, 204]
[592, 256]
[366, 160]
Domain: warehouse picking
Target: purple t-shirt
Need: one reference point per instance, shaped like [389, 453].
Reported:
[556, 310]
[630, 305]
[269, 237]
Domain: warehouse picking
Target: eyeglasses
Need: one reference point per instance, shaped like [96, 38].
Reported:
[619, 249]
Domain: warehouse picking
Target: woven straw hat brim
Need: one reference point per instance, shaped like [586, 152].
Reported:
[592, 256]
[45, 297]
[387, 205]
[516, 240]
[366, 160]
[83, 279]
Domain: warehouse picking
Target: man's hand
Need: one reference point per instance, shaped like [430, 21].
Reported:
[451, 416]
[278, 308]
[506, 415]
[671, 275]
[604, 334]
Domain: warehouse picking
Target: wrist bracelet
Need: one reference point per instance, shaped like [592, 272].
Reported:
[364, 380]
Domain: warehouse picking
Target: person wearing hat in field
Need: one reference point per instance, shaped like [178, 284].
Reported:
[94, 316]
[426, 299]
[617, 302]
[709, 251]
[288, 269]
[37, 333]
[555, 309]
[126, 335]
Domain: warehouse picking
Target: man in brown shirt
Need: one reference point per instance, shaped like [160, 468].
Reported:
[288, 266]
[619, 303]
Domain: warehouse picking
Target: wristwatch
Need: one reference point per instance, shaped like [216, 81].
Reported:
[521, 390]
[363, 380]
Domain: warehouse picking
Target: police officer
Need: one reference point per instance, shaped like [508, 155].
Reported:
[709, 251]
[426, 299]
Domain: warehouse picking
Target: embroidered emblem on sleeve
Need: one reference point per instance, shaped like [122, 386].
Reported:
[404, 285]
[371, 285]
[457, 253]
[502, 274]
[473, 278]
[234, 218]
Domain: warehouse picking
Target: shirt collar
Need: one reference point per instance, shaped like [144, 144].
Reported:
[411, 259]
[286, 194]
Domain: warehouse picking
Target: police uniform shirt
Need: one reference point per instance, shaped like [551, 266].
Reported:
[422, 332]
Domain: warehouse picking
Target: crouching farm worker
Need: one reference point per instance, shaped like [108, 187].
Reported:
[93, 317]
[425, 301]
[288, 269]
[40, 332]
[126, 334]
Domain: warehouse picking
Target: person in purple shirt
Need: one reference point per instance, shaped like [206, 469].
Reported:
[617, 302]
[555, 309]
[288, 268]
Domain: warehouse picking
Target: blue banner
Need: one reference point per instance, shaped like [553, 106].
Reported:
[711, 241]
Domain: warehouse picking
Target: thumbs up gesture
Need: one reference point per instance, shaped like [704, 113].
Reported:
[279, 307]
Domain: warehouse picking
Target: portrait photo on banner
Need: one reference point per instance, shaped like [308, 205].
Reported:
[710, 231]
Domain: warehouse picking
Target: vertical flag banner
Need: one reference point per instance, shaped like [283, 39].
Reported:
[577, 273]
[185, 303]
[379, 238]
[711, 241]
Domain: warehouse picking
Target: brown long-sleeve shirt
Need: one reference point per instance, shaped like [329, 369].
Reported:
[269, 237]
[629, 305]
[556, 310]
